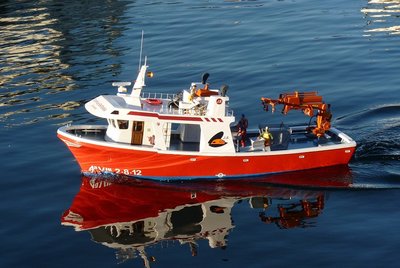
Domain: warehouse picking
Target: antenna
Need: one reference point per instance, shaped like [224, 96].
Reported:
[141, 50]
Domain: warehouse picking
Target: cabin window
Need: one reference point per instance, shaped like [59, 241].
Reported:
[123, 124]
[138, 126]
[113, 122]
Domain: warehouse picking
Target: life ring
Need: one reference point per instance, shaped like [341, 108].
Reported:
[154, 101]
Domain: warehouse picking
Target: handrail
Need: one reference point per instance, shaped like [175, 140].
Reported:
[158, 95]
[164, 108]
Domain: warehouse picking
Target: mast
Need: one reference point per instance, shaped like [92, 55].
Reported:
[140, 79]
[141, 51]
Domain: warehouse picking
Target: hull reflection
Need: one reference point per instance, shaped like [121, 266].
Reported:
[131, 215]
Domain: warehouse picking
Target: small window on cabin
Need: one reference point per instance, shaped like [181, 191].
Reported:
[137, 125]
[113, 122]
[123, 124]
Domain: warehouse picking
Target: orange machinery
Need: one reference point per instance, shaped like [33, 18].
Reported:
[307, 102]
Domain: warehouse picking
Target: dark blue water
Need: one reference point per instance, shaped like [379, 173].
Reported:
[55, 56]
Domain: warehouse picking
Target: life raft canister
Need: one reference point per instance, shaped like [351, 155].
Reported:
[154, 101]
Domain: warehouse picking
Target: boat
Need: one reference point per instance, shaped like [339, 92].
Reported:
[133, 215]
[195, 134]
[130, 219]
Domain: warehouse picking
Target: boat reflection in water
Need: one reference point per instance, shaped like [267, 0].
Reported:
[130, 215]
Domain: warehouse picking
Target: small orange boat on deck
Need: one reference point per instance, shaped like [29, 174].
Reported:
[194, 135]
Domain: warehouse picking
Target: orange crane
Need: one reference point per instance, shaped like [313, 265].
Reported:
[307, 102]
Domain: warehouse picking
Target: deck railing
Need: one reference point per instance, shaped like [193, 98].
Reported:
[166, 109]
[158, 95]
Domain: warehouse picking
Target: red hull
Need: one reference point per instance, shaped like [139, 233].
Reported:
[94, 158]
[101, 201]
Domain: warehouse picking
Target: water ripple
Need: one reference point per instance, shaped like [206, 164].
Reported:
[383, 17]
[378, 139]
[45, 52]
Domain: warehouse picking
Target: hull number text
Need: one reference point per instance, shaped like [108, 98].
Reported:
[98, 169]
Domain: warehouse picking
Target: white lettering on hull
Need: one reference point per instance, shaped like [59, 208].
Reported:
[99, 169]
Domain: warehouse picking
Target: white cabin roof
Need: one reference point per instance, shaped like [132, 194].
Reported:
[124, 106]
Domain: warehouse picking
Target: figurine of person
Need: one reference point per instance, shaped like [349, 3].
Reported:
[267, 136]
[242, 136]
[242, 130]
[192, 93]
[243, 123]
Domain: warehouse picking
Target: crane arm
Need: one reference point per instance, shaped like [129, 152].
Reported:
[309, 103]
